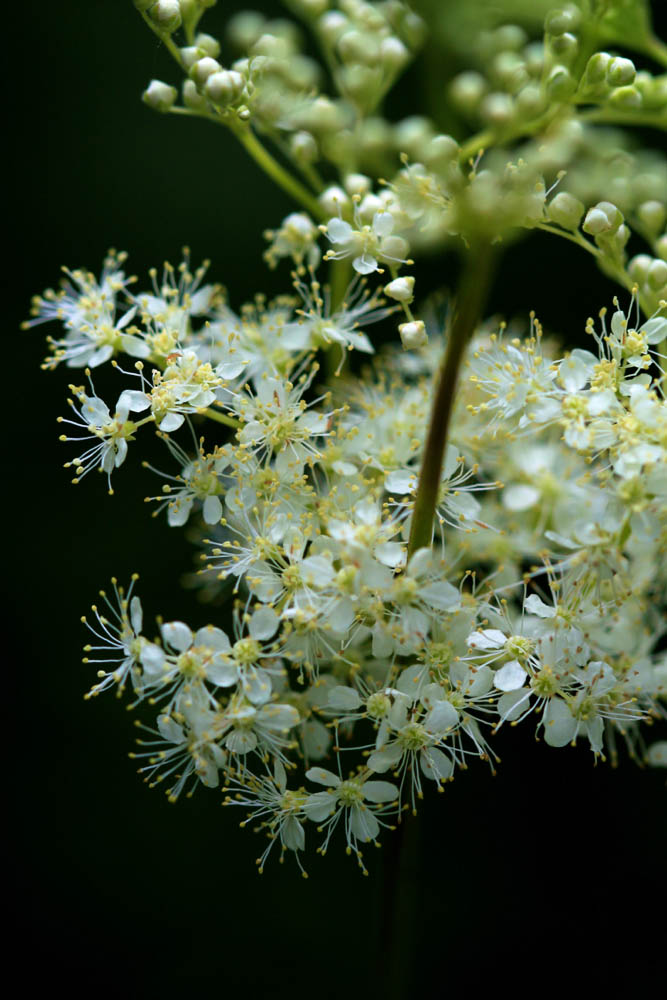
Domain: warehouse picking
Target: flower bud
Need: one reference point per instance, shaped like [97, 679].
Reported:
[166, 14]
[657, 275]
[143, 4]
[401, 289]
[441, 151]
[558, 21]
[661, 247]
[245, 28]
[638, 267]
[192, 98]
[530, 101]
[597, 67]
[565, 47]
[626, 97]
[393, 53]
[652, 215]
[357, 184]
[602, 218]
[203, 68]
[225, 87]
[304, 147]
[368, 208]
[467, 90]
[332, 25]
[413, 334]
[209, 45]
[358, 47]
[565, 210]
[334, 201]
[560, 83]
[621, 72]
[497, 108]
[159, 96]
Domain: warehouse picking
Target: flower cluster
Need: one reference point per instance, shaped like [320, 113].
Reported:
[533, 588]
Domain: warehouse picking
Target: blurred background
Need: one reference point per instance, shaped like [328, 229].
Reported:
[552, 861]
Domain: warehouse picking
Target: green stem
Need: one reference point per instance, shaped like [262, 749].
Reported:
[221, 418]
[341, 271]
[473, 288]
[656, 49]
[276, 172]
[164, 38]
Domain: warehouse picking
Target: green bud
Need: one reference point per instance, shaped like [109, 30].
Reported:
[621, 72]
[393, 53]
[597, 68]
[509, 38]
[192, 98]
[661, 247]
[657, 275]
[530, 101]
[159, 96]
[497, 108]
[565, 47]
[332, 25]
[560, 83]
[143, 4]
[467, 90]
[358, 184]
[559, 21]
[626, 97]
[245, 28]
[225, 87]
[441, 151]
[209, 45]
[166, 14]
[652, 215]
[638, 267]
[202, 69]
[565, 210]
[304, 147]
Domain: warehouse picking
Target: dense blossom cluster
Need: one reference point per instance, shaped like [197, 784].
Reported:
[541, 597]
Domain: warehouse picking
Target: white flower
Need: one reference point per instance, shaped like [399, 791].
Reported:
[367, 245]
[359, 801]
[120, 638]
[111, 432]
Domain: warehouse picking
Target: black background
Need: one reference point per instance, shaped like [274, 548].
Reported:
[515, 880]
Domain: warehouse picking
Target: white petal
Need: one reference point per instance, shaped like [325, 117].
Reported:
[380, 791]
[339, 231]
[321, 776]
[343, 698]
[136, 615]
[263, 623]
[212, 510]
[510, 677]
[435, 764]
[488, 638]
[177, 635]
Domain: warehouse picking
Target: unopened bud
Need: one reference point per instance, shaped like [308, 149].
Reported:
[192, 98]
[401, 289]
[413, 334]
[159, 96]
[626, 97]
[467, 90]
[565, 210]
[560, 83]
[557, 22]
[304, 147]
[657, 275]
[225, 87]
[209, 45]
[334, 201]
[203, 68]
[332, 25]
[621, 72]
[497, 108]
[166, 14]
[393, 53]
[597, 67]
[357, 184]
[602, 218]
[652, 215]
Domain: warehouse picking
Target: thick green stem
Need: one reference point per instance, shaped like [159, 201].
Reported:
[473, 288]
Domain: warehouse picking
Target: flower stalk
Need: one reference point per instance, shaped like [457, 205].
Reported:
[474, 285]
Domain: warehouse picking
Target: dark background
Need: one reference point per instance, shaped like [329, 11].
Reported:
[511, 878]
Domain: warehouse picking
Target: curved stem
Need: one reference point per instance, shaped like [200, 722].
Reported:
[275, 171]
[473, 289]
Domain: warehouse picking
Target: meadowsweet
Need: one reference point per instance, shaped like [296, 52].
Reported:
[466, 534]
